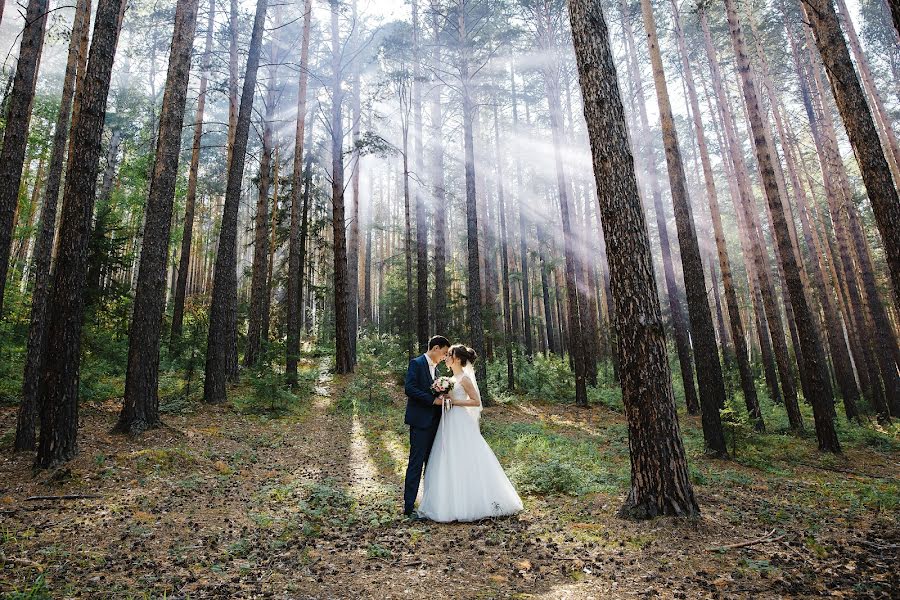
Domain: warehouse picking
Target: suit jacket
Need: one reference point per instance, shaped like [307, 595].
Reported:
[421, 411]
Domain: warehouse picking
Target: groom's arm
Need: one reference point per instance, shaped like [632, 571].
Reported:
[412, 389]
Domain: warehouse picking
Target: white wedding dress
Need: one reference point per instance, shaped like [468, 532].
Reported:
[463, 479]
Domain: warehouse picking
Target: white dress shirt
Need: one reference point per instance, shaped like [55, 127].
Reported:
[431, 365]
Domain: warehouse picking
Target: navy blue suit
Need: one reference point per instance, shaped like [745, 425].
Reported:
[423, 417]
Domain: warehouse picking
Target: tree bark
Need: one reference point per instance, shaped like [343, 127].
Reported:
[523, 230]
[676, 309]
[420, 198]
[59, 409]
[140, 406]
[41, 259]
[353, 235]
[222, 338]
[737, 327]
[576, 349]
[659, 482]
[191, 197]
[298, 221]
[15, 135]
[710, 381]
[817, 385]
[861, 130]
[504, 257]
[473, 289]
[755, 255]
[437, 174]
[343, 358]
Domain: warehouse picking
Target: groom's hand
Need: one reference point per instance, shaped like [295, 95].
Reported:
[439, 401]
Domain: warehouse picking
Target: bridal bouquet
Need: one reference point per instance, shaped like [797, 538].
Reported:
[443, 385]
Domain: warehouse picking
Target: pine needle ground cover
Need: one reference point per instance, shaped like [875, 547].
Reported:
[300, 499]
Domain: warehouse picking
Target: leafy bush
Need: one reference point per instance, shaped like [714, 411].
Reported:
[547, 378]
[551, 477]
[265, 391]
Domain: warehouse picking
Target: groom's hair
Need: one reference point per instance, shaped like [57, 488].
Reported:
[439, 341]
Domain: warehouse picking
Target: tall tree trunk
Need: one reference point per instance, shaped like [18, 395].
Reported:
[873, 344]
[191, 198]
[576, 349]
[437, 174]
[710, 381]
[676, 309]
[755, 251]
[659, 475]
[546, 269]
[140, 406]
[222, 338]
[504, 257]
[523, 230]
[295, 250]
[420, 198]
[59, 409]
[860, 126]
[256, 336]
[737, 327]
[473, 289]
[882, 119]
[15, 135]
[353, 235]
[834, 332]
[343, 358]
[817, 384]
[409, 317]
[41, 258]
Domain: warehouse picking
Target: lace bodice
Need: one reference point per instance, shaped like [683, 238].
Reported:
[458, 393]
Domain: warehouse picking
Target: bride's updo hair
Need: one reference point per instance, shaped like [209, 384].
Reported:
[465, 354]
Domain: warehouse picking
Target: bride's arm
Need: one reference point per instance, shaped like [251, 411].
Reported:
[474, 398]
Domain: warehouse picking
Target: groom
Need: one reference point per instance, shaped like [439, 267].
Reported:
[423, 414]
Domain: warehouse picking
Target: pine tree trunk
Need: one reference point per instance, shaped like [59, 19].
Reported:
[343, 358]
[41, 258]
[755, 251]
[504, 257]
[15, 135]
[710, 381]
[295, 249]
[437, 174]
[737, 327]
[861, 130]
[140, 406]
[676, 309]
[222, 338]
[256, 336]
[523, 232]
[834, 333]
[59, 409]
[473, 289]
[817, 388]
[191, 198]
[420, 198]
[353, 235]
[576, 349]
[659, 482]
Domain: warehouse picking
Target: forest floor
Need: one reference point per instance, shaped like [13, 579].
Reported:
[222, 504]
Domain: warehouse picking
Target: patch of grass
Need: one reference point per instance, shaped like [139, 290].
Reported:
[377, 551]
[37, 590]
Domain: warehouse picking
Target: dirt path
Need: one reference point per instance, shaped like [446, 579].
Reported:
[223, 505]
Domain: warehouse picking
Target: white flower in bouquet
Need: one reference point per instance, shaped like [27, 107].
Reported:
[442, 385]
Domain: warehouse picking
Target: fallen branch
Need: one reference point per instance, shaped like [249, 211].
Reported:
[21, 562]
[63, 497]
[766, 538]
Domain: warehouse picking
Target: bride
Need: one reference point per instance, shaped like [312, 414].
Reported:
[463, 480]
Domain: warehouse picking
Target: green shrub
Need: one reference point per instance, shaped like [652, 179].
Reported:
[551, 477]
